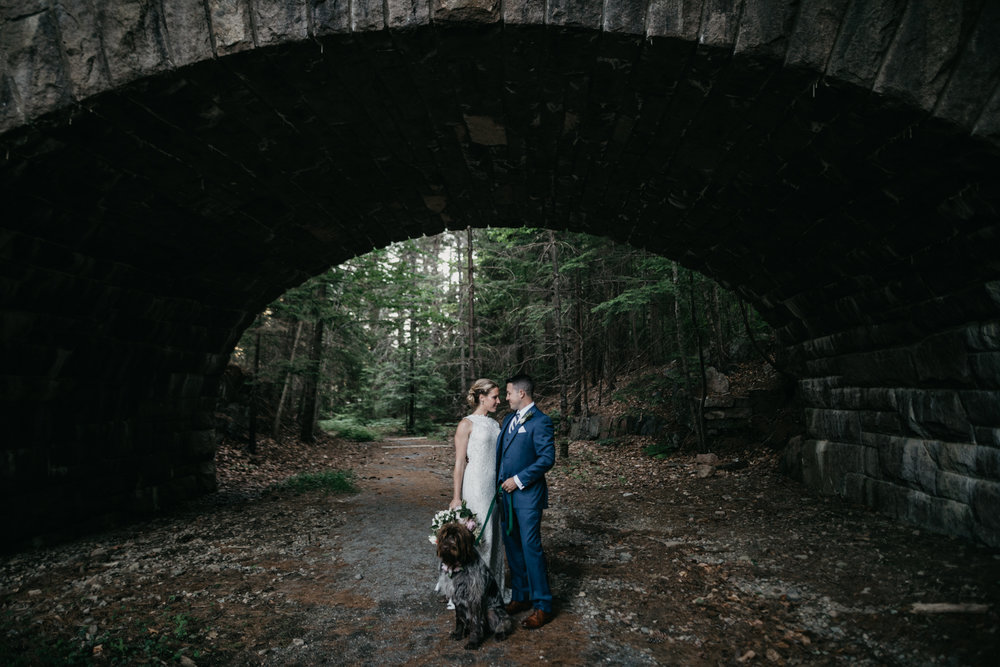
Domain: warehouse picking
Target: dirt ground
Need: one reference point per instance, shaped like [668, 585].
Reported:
[650, 563]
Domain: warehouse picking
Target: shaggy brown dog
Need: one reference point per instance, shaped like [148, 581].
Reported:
[468, 582]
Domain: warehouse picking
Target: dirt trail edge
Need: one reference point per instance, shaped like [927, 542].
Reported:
[651, 562]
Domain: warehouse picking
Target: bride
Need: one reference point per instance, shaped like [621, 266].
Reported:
[475, 468]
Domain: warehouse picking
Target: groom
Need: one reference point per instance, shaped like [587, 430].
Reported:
[525, 451]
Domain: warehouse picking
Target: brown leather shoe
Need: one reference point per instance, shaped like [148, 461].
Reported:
[517, 606]
[537, 619]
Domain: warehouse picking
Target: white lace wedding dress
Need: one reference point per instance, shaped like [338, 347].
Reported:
[478, 486]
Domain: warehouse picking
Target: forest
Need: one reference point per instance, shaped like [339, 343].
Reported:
[392, 339]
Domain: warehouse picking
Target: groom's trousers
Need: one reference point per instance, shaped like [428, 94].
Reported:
[528, 568]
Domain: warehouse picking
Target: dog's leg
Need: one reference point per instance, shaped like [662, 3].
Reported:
[461, 627]
[499, 623]
[475, 620]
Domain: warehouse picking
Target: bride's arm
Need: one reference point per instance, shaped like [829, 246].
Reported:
[461, 460]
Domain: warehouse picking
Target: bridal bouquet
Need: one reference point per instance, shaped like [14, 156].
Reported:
[461, 515]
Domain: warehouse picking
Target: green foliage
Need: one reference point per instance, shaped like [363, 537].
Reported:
[159, 640]
[330, 481]
[395, 344]
[660, 450]
[651, 388]
[348, 428]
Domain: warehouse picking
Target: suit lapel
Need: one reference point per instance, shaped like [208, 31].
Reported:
[507, 437]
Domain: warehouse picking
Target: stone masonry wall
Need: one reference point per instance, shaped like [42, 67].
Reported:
[169, 168]
[913, 431]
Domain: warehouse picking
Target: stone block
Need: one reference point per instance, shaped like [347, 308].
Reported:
[871, 464]
[826, 463]
[955, 487]
[841, 425]
[674, 18]
[719, 401]
[933, 414]
[575, 13]
[939, 515]
[231, 26]
[625, 16]
[649, 425]
[879, 422]
[985, 368]
[890, 367]
[816, 392]
[31, 55]
[942, 359]
[975, 76]
[988, 436]
[523, 12]
[983, 337]
[815, 32]
[864, 37]
[719, 26]
[331, 17]
[986, 505]
[856, 488]
[968, 459]
[188, 30]
[465, 11]
[926, 41]
[133, 40]
[764, 28]
[283, 21]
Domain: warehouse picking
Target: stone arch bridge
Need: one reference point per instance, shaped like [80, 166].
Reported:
[168, 168]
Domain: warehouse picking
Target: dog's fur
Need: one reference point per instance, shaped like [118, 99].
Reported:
[479, 608]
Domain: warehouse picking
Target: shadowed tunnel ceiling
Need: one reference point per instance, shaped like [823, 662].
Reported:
[835, 163]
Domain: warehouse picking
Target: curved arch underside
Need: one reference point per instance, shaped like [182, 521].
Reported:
[145, 226]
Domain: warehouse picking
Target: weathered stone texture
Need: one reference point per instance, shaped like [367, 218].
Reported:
[331, 17]
[765, 27]
[574, 13]
[674, 18]
[232, 26]
[864, 37]
[473, 11]
[280, 21]
[30, 45]
[814, 33]
[367, 15]
[167, 169]
[916, 66]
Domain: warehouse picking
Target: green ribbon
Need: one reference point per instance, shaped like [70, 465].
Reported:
[489, 512]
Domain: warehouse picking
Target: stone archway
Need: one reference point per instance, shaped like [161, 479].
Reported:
[167, 171]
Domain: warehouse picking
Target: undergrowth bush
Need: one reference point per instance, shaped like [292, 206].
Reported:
[660, 450]
[348, 428]
[331, 481]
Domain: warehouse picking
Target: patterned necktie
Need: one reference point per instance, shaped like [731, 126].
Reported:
[513, 423]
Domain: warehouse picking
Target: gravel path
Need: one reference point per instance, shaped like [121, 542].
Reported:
[650, 563]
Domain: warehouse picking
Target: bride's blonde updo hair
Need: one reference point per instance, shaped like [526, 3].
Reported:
[480, 387]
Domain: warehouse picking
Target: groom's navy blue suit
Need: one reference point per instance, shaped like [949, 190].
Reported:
[527, 453]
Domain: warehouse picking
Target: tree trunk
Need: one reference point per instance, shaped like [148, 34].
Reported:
[681, 352]
[464, 371]
[702, 443]
[581, 361]
[252, 427]
[715, 320]
[276, 427]
[473, 368]
[310, 390]
[560, 350]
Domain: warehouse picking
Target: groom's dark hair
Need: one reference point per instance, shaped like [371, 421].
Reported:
[523, 382]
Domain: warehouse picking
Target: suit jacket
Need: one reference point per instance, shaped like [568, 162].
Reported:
[528, 453]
